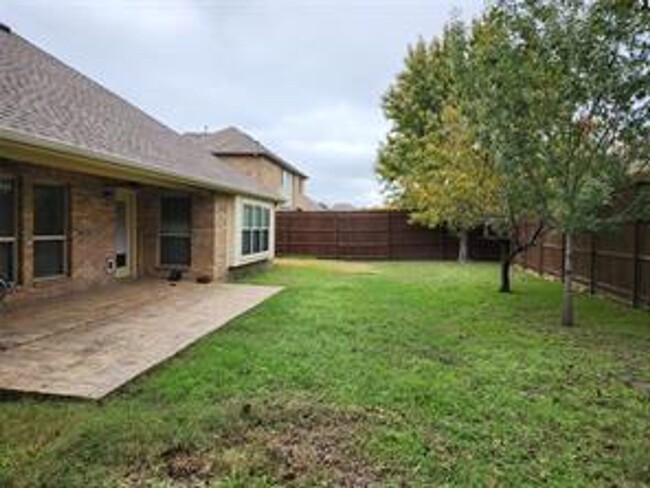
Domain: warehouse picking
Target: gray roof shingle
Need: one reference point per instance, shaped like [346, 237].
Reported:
[43, 98]
[232, 141]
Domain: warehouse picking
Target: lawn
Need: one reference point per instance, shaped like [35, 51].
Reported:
[358, 374]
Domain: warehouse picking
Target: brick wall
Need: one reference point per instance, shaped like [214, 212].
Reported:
[91, 231]
[148, 216]
[269, 174]
[211, 220]
[223, 236]
[90, 235]
[260, 168]
[203, 234]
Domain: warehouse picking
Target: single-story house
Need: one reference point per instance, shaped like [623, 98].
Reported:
[94, 190]
[246, 154]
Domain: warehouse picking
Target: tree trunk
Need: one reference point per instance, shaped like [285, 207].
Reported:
[567, 297]
[462, 246]
[505, 266]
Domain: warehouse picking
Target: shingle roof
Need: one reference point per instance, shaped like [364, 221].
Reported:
[232, 141]
[43, 98]
[311, 204]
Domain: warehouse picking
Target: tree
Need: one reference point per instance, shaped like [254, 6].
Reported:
[562, 104]
[515, 205]
[430, 162]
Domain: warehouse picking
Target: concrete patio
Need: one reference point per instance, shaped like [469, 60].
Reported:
[89, 344]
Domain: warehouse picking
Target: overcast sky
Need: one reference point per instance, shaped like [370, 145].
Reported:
[305, 77]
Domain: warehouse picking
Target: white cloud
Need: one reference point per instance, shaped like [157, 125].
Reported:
[163, 21]
[336, 145]
[332, 148]
[304, 76]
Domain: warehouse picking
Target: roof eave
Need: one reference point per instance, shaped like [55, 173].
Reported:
[125, 164]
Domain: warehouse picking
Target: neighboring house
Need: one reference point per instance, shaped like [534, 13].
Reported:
[320, 206]
[343, 207]
[93, 190]
[248, 155]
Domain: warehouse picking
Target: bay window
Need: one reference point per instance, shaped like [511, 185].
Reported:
[256, 223]
[175, 231]
[50, 231]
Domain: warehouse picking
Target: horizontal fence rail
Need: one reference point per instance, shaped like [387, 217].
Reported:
[615, 263]
[371, 235]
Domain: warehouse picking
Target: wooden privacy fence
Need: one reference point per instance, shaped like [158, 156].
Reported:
[614, 263]
[370, 235]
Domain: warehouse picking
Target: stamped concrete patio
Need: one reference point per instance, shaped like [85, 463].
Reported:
[89, 344]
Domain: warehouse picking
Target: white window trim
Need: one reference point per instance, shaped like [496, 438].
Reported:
[257, 224]
[240, 259]
[287, 187]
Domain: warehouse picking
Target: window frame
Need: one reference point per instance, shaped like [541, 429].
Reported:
[255, 227]
[287, 182]
[64, 238]
[162, 234]
[14, 239]
[286, 187]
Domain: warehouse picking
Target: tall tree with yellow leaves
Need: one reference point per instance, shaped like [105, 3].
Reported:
[430, 162]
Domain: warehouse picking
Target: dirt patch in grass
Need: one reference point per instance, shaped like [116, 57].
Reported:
[290, 445]
[309, 445]
[187, 464]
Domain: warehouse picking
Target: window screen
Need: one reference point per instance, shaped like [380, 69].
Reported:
[49, 210]
[50, 231]
[8, 229]
[175, 231]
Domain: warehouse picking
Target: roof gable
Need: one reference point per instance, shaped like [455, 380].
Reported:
[232, 141]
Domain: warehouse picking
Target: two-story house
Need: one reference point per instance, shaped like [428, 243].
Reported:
[247, 155]
[93, 190]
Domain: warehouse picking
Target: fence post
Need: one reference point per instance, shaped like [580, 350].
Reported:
[336, 235]
[636, 264]
[390, 235]
[592, 263]
[286, 226]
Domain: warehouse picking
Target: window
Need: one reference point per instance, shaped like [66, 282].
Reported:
[8, 229]
[255, 229]
[287, 188]
[286, 182]
[175, 231]
[50, 231]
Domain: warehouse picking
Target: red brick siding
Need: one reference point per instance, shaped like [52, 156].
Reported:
[91, 229]
[223, 221]
[209, 231]
[203, 234]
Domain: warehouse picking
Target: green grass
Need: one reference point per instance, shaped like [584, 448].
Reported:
[390, 374]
